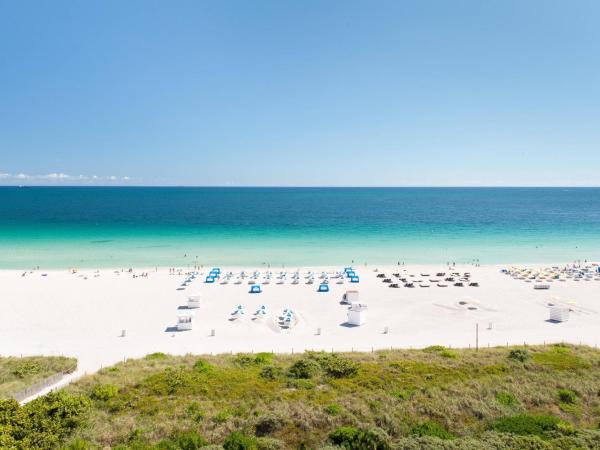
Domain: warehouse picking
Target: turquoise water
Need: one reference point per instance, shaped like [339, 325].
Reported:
[121, 227]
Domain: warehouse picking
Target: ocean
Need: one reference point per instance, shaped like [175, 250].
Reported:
[60, 227]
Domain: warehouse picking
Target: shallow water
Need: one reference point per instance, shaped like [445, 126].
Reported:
[101, 227]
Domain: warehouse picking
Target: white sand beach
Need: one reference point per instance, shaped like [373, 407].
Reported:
[83, 314]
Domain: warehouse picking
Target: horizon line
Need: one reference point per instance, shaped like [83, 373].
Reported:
[294, 186]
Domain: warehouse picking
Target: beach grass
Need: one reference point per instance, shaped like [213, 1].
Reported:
[542, 397]
[18, 374]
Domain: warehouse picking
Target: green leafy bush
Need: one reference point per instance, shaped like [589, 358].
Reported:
[43, 422]
[304, 368]
[239, 441]
[403, 394]
[345, 436]
[104, 392]
[221, 417]
[567, 396]
[338, 367]
[448, 354]
[263, 358]
[434, 349]
[156, 355]
[25, 367]
[506, 398]
[248, 360]
[195, 411]
[560, 358]
[271, 372]
[202, 366]
[269, 423]
[333, 410]
[269, 443]
[526, 424]
[301, 383]
[351, 438]
[431, 428]
[519, 354]
[183, 440]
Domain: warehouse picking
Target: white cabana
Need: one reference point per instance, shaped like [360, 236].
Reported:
[357, 314]
[350, 297]
[194, 301]
[184, 321]
[559, 314]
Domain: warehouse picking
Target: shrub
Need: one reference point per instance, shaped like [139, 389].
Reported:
[375, 439]
[239, 441]
[170, 381]
[78, 444]
[43, 422]
[304, 368]
[344, 436]
[104, 392]
[333, 409]
[25, 367]
[245, 360]
[188, 440]
[338, 367]
[448, 354]
[263, 358]
[269, 423]
[431, 428]
[403, 394]
[156, 355]
[301, 384]
[351, 438]
[195, 412]
[271, 372]
[560, 358]
[434, 349]
[202, 366]
[518, 354]
[567, 396]
[525, 424]
[221, 417]
[267, 443]
[506, 398]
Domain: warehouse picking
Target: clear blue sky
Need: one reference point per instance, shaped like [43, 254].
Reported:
[279, 92]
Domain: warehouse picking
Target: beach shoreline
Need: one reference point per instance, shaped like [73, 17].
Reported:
[83, 314]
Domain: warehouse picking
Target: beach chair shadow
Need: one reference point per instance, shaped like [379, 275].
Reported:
[556, 322]
[348, 325]
[173, 329]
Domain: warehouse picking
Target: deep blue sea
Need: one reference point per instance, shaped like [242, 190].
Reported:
[59, 227]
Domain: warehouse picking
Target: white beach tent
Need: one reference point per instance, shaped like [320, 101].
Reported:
[194, 301]
[559, 314]
[184, 321]
[350, 297]
[357, 314]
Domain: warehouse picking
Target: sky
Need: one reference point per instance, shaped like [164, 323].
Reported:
[300, 93]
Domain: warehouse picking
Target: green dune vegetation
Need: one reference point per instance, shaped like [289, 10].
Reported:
[17, 374]
[437, 398]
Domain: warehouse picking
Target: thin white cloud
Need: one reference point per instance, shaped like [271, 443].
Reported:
[63, 178]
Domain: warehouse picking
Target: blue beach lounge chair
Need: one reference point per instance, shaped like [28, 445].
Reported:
[354, 279]
[255, 289]
[209, 279]
[323, 288]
